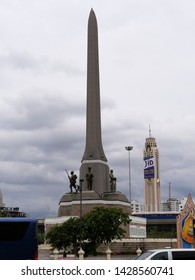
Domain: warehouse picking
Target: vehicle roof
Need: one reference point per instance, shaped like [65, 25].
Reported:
[171, 249]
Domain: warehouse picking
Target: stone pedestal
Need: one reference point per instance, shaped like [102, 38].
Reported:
[70, 203]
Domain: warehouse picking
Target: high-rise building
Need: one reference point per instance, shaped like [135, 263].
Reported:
[172, 204]
[152, 199]
[1, 199]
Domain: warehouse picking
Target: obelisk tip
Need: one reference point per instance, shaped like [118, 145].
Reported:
[92, 12]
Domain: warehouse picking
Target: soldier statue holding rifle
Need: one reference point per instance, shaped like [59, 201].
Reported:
[72, 178]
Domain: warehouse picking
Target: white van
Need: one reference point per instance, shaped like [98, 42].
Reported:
[168, 254]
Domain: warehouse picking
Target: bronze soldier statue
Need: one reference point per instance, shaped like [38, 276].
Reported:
[112, 181]
[89, 177]
[72, 178]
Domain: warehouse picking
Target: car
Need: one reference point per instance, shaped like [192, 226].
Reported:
[168, 254]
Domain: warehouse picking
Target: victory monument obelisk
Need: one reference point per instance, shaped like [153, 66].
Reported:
[94, 156]
[97, 187]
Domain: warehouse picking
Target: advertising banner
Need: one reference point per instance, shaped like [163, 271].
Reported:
[148, 167]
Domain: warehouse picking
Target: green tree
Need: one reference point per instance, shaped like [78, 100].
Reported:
[63, 236]
[3, 214]
[161, 231]
[101, 225]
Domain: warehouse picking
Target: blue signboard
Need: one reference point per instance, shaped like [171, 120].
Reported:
[148, 167]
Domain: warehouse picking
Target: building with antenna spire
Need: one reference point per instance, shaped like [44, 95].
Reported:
[1, 200]
[152, 195]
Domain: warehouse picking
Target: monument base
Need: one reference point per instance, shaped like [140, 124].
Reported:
[70, 203]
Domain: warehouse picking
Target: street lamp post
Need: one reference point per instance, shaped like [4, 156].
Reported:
[81, 212]
[129, 148]
[81, 252]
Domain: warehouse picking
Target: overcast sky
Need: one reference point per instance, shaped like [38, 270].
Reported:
[147, 66]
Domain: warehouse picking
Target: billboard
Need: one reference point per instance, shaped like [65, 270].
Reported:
[186, 225]
[148, 167]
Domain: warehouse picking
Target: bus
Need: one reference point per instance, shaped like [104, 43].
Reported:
[18, 239]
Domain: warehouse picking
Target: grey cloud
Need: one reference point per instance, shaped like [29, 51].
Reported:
[26, 61]
[35, 110]
[146, 70]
